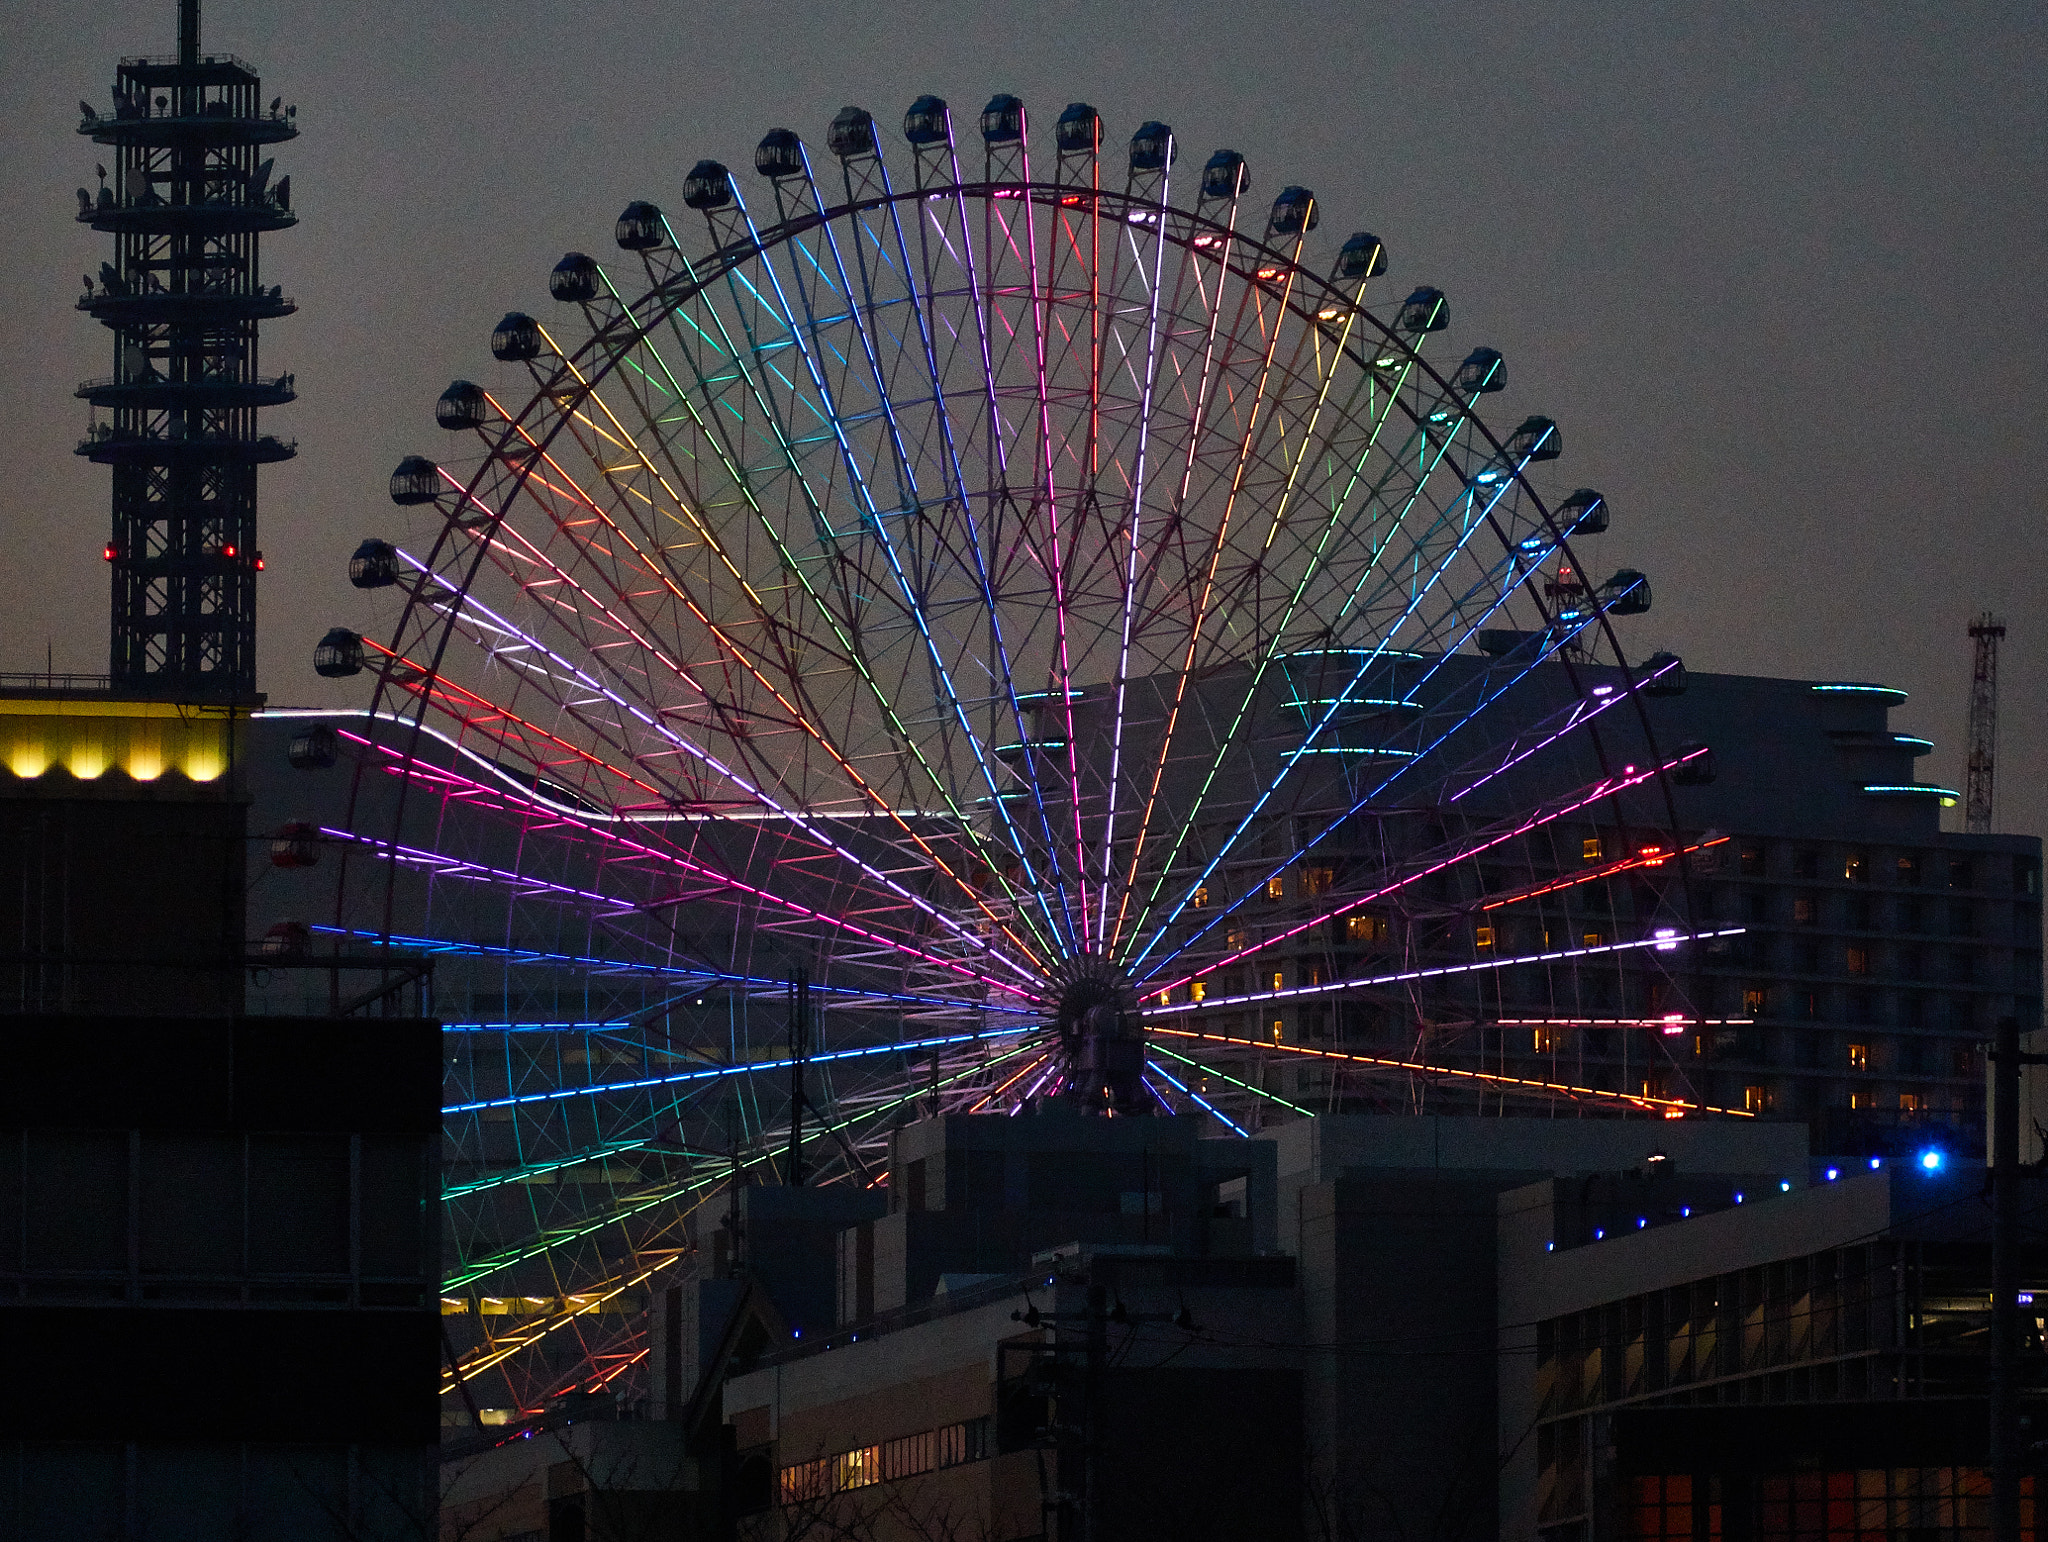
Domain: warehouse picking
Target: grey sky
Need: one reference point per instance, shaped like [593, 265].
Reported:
[1765, 264]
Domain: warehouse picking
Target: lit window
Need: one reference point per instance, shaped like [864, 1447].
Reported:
[1593, 939]
[1854, 868]
[1278, 1026]
[1234, 939]
[1590, 848]
[1279, 979]
[1201, 897]
[1861, 1099]
[1317, 880]
[1365, 928]
[1275, 887]
[1545, 1041]
[1753, 1002]
[1483, 937]
[1166, 998]
[1756, 1098]
[1911, 1103]
[1199, 991]
[1859, 1057]
[1803, 910]
[1859, 961]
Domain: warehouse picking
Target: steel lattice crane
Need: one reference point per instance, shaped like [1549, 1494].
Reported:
[1985, 633]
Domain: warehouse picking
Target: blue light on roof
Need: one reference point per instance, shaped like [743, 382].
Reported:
[1860, 688]
[1598, 1234]
[1876, 1163]
[1550, 1247]
[1685, 1210]
[1641, 1222]
[1738, 1196]
[1948, 797]
[1784, 1186]
[1834, 1173]
[1932, 1159]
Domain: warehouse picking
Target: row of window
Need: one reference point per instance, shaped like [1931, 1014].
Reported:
[1897, 1504]
[909, 1456]
[1909, 869]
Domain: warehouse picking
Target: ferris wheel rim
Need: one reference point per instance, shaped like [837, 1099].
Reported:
[637, 318]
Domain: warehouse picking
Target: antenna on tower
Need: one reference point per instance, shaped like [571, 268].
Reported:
[1985, 633]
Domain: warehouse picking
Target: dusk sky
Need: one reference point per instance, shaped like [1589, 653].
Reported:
[1765, 264]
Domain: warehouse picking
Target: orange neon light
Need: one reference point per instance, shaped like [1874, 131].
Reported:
[1422, 1068]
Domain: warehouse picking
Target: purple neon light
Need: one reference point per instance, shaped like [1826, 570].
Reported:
[713, 1073]
[462, 609]
[676, 860]
[1602, 789]
[1668, 940]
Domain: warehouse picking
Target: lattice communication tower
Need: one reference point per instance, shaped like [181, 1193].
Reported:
[190, 198]
[1985, 633]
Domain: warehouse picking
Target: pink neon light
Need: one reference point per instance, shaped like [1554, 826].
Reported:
[1604, 789]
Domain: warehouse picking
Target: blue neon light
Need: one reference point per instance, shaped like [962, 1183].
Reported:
[1861, 688]
[1948, 795]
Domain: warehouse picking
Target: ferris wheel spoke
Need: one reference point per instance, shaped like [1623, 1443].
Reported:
[711, 1175]
[1446, 538]
[1279, 632]
[1488, 840]
[491, 721]
[1252, 303]
[687, 747]
[913, 577]
[846, 651]
[1368, 1064]
[971, 541]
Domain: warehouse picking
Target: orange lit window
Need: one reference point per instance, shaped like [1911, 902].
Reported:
[1589, 848]
[1200, 898]
[1278, 1026]
[1854, 869]
[1317, 880]
[1859, 1057]
[1593, 939]
[1483, 937]
[1753, 1003]
[1279, 980]
[1166, 998]
[1275, 888]
[1859, 961]
[1911, 1103]
[1365, 928]
[1199, 991]
[1235, 939]
[1756, 1098]
[1861, 1099]
[1545, 1041]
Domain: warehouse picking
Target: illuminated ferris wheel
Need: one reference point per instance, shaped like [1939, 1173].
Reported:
[976, 623]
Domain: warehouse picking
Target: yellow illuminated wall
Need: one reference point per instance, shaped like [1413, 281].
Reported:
[141, 739]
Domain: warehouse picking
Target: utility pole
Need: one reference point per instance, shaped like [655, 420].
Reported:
[2006, 1061]
[799, 1044]
[1985, 633]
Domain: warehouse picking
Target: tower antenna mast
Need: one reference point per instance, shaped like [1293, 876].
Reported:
[1985, 633]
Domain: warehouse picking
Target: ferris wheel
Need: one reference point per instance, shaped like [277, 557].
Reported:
[967, 622]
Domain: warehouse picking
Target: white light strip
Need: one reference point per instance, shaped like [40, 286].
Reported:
[1438, 972]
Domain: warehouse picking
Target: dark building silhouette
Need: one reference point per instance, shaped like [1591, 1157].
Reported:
[219, 1233]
